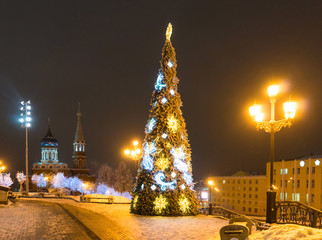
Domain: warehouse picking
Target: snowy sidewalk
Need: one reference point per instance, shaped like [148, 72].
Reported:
[32, 220]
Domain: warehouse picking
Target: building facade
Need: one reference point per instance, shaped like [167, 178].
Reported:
[298, 180]
[80, 169]
[49, 163]
[242, 192]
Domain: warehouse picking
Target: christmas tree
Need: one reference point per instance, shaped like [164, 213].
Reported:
[164, 181]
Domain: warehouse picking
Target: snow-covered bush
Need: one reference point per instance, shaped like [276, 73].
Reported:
[21, 177]
[59, 180]
[39, 180]
[5, 180]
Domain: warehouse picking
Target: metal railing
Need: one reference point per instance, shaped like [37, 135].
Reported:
[298, 213]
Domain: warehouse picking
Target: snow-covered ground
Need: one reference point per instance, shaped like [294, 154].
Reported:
[176, 228]
[288, 232]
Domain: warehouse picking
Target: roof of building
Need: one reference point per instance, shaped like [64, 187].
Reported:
[49, 140]
[302, 158]
[79, 136]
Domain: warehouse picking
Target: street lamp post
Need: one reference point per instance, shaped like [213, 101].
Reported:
[134, 153]
[25, 119]
[272, 127]
[210, 183]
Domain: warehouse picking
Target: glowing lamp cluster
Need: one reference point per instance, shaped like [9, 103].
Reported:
[255, 111]
[25, 114]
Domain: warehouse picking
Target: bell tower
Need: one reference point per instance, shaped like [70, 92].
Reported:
[79, 151]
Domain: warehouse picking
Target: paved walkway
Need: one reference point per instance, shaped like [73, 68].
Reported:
[31, 219]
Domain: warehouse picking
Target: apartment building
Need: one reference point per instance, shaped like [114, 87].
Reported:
[298, 180]
[241, 192]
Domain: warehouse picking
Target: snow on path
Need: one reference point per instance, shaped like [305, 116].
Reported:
[156, 227]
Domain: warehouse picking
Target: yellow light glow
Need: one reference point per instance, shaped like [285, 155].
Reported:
[273, 90]
[259, 117]
[162, 163]
[289, 109]
[274, 187]
[255, 110]
[169, 32]
[135, 143]
[135, 200]
[216, 189]
[172, 123]
[210, 182]
[160, 203]
[127, 152]
[133, 153]
[138, 151]
[184, 204]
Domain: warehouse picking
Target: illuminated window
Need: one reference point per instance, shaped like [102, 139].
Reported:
[285, 170]
[223, 181]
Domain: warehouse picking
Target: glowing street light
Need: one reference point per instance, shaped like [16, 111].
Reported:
[2, 168]
[134, 153]
[25, 120]
[272, 126]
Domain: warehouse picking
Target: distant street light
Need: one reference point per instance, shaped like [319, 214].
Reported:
[134, 153]
[25, 120]
[272, 126]
[2, 168]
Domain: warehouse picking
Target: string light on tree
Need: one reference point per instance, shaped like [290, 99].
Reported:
[160, 203]
[184, 204]
[166, 163]
[172, 123]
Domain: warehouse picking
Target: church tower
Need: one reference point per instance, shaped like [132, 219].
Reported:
[49, 163]
[79, 151]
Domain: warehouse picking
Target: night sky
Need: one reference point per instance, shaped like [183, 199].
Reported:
[106, 54]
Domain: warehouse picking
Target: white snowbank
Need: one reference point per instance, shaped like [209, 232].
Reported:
[288, 232]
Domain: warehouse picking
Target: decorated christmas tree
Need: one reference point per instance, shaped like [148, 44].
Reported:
[164, 181]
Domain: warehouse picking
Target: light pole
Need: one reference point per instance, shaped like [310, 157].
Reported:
[25, 119]
[134, 153]
[272, 127]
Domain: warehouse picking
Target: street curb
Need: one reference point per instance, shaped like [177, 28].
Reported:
[88, 231]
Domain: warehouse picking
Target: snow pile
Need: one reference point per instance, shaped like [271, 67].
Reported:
[288, 232]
